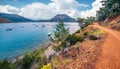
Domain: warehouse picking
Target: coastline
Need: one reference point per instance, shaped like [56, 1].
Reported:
[45, 45]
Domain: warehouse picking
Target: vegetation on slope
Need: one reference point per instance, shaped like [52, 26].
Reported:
[110, 9]
[80, 54]
[109, 14]
[85, 22]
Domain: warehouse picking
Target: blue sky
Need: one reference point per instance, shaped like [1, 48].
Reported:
[70, 7]
[21, 3]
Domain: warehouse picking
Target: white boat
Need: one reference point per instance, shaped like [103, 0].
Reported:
[49, 34]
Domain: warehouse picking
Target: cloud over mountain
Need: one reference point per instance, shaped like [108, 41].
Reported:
[39, 10]
[92, 12]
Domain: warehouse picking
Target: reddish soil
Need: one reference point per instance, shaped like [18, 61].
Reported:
[98, 54]
[110, 55]
[84, 55]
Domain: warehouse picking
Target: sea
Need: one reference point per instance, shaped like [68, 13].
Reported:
[18, 38]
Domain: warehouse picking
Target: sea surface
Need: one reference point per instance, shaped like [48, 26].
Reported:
[18, 38]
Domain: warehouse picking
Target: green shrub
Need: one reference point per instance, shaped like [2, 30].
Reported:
[78, 31]
[5, 64]
[64, 44]
[29, 58]
[27, 61]
[93, 37]
[38, 54]
[85, 33]
[55, 62]
[73, 39]
[57, 48]
[41, 63]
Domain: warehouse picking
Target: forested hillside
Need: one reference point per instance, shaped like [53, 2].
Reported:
[110, 9]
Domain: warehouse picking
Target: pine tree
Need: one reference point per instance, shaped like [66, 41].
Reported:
[61, 32]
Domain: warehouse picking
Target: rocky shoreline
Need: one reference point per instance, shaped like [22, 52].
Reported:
[20, 57]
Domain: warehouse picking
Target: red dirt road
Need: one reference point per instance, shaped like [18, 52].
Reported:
[110, 55]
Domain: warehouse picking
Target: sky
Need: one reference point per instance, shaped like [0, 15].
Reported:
[46, 9]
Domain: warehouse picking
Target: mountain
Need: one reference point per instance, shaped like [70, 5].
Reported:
[14, 18]
[62, 17]
[3, 20]
[58, 17]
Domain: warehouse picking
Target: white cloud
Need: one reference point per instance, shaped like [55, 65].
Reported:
[9, 9]
[46, 11]
[40, 10]
[92, 12]
[66, 4]
[36, 11]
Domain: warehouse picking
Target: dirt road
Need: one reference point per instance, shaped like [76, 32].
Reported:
[110, 56]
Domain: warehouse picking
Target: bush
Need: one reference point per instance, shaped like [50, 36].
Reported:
[27, 61]
[38, 54]
[85, 33]
[29, 58]
[64, 44]
[5, 64]
[73, 39]
[57, 48]
[93, 37]
[41, 63]
[78, 31]
[55, 62]
[98, 32]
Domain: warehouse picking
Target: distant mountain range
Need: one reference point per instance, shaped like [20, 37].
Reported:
[16, 18]
[62, 17]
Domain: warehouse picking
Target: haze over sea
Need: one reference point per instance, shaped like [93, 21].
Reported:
[25, 37]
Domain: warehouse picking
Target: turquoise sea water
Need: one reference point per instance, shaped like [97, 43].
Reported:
[25, 37]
